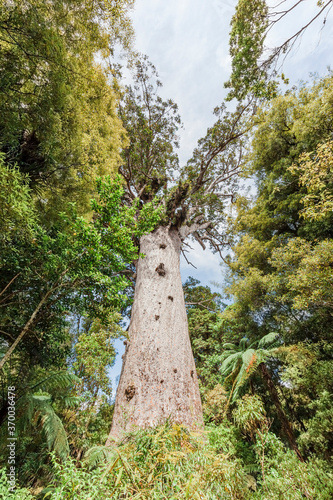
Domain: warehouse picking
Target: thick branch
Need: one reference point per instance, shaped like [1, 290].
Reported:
[186, 230]
[199, 240]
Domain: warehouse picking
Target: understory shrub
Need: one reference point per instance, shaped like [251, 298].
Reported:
[170, 462]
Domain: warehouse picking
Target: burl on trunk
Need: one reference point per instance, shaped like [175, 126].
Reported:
[158, 379]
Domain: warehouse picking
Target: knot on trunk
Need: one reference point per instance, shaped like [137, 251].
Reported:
[161, 270]
[129, 392]
[163, 246]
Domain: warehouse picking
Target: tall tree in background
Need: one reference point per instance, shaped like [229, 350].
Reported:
[254, 65]
[158, 378]
[58, 107]
[281, 271]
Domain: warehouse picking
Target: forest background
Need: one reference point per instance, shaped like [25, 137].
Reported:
[264, 363]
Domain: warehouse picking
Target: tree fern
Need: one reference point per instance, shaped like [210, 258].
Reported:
[240, 362]
[35, 408]
[56, 380]
[98, 454]
[51, 425]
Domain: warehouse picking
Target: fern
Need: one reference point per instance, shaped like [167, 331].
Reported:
[35, 408]
[269, 340]
[97, 455]
[240, 362]
[54, 431]
[55, 381]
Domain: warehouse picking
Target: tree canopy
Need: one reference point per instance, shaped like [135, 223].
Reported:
[254, 65]
[59, 108]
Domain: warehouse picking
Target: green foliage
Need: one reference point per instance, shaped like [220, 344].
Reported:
[95, 353]
[215, 404]
[149, 160]
[280, 275]
[246, 42]
[240, 362]
[16, 213]
[52, 426]
[59, 109]
[249, 414]
[38, 424]
[202, 310]
[284, 476]
[50, 275]
[318, 436]
[303, 274]
[170, 462]
[87, 421]
[206, 345]
[71, 267]
[12, 494]
[254, 64]
[315, 170]
[166, 462]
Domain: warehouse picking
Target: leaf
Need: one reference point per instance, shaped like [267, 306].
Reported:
[267, 340]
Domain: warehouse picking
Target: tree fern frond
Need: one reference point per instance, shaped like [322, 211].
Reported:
[243, 343]
[71, 401]
[61, 379]
[25, 410]
[248, 357]
[249, 364]
[54, 431]
[268, 340]
[97, 455]
[232, 359]
[42, 399]
[230, 346]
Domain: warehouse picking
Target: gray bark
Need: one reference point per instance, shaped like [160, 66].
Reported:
[158, 379]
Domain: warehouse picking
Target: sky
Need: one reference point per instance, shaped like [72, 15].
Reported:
[187, 41]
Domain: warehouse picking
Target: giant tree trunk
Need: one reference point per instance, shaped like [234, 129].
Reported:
[158, 379]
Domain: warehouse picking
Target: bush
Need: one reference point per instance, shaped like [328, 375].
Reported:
[7, 494]
[168, 462]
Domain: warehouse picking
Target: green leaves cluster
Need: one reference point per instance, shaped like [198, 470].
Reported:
[59, 108]
[246, 42]
[281, 273]
[254, 63]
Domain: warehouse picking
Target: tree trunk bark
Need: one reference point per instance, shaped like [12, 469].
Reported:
[158, 378]
[286, 426]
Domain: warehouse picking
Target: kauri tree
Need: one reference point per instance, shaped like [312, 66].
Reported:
[158, 378]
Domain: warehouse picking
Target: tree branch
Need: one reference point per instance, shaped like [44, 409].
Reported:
[186, 230]
[8, 285]
[188, 260]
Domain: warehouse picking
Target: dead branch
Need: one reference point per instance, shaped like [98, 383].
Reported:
[188, 260]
